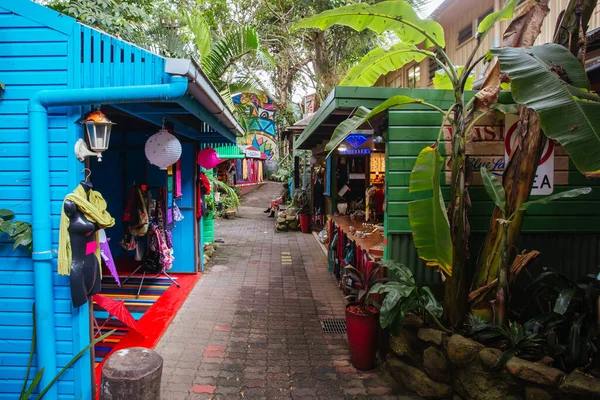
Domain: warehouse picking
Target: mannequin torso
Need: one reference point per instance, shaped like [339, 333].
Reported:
[85, 272]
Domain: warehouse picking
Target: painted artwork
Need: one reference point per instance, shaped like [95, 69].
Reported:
[262, 133]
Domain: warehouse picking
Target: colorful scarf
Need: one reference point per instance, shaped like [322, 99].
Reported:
[93, 207]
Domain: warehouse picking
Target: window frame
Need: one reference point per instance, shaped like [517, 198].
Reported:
[458, 36]
[417, 68]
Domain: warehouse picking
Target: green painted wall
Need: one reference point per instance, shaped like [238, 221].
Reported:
[555, 229]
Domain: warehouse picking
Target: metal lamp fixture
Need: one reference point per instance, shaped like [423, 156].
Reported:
[97, 128]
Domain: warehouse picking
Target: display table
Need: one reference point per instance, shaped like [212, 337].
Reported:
[367, 243]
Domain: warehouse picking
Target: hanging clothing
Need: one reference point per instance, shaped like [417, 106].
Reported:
[93, 207]
[203, 189]
[260, 171]
[178, 191]
[138, 222]
[245, 169]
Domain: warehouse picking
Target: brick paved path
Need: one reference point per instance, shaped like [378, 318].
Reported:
[250, 328]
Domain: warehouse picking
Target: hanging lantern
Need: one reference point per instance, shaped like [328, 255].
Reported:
[162, 149]
[208, 158]
[97, 128]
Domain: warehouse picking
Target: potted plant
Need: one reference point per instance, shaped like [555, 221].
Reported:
[362, 326]
[301, 202]
[403, 296]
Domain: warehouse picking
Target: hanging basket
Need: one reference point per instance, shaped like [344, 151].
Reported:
[163, 149]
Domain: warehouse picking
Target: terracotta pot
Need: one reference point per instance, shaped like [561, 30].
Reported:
[363, 335]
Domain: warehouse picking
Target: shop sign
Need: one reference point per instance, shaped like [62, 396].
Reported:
[490, 145]
[543, 183]
[252, 153]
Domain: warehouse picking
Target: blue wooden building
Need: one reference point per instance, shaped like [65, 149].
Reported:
[55, 71]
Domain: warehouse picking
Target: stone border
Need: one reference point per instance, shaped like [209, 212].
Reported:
[434, 364]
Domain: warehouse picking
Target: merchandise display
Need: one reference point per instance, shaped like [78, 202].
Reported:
[79, 256]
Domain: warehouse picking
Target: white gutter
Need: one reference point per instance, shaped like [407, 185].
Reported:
[202, 89]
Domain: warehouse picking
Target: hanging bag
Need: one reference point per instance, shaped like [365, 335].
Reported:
[152, 259]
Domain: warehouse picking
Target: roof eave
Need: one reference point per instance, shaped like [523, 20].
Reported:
[202, 89]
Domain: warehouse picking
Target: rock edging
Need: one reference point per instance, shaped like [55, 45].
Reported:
[434, 364]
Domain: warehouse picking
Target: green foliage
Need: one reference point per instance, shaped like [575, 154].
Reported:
[428, 218]
[495, 190]
[403, 296]
[346, 128]
[26, 391]
[501, 15]
[442, 81]
[380, 61]
[121, 18]
[398, 17]
[525, 341]
[18, 231]
[229, 199]
[358, 285]
[550, 80]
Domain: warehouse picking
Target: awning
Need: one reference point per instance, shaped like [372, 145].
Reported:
[253, 152]
[340, 103]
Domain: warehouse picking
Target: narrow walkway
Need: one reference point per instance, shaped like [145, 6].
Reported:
[250, 328]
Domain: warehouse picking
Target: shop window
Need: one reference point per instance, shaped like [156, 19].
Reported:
[465, 34]
[414, 76]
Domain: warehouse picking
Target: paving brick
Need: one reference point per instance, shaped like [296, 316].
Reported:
[203, 389]
[250, 328]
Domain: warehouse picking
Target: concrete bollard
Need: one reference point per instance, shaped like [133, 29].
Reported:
[132, 374]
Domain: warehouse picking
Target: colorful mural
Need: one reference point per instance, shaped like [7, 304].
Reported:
[261, 126]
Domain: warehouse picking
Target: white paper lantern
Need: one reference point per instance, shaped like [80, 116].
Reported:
[162, 149]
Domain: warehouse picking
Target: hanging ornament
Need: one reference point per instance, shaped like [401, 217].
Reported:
[208, 158]
[163, 149]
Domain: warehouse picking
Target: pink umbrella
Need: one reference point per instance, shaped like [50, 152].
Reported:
[108, 260]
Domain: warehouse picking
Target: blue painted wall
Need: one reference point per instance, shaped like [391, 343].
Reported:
[40, 49]
[125, 164]
[33, 57]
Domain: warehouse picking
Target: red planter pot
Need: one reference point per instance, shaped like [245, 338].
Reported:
[304, 222]
[363, 335]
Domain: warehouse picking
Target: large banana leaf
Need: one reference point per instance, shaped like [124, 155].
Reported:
[569, 194]
[346, 128]
[501, 15]
[494, 188]
[381, 61]
[361, 116]
[546, 78]
[428, 218]
[441, 80]
[392, 16]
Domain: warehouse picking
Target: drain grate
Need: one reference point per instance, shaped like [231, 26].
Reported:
[333, 325]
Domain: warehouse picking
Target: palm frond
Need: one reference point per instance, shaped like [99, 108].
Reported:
[237, 43]
[200, 30]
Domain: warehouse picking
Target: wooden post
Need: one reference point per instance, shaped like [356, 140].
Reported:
[132, 374]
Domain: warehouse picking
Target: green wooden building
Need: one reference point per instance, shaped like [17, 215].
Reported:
[567, 232]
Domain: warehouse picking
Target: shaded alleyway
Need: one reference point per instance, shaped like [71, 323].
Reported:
[250, 328]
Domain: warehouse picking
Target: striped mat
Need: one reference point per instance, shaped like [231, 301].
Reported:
[153, 288]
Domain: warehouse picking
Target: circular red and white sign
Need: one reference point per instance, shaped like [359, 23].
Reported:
[546, 153]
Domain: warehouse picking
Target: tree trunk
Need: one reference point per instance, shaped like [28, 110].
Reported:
[519, 175]
[455, 296]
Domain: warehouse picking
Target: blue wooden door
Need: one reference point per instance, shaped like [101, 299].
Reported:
[184, 240]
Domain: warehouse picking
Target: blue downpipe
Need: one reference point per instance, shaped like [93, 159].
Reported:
[40, 195]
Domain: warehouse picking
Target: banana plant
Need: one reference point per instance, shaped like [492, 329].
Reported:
[419, 36]
[495, 191]
[27, 391]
